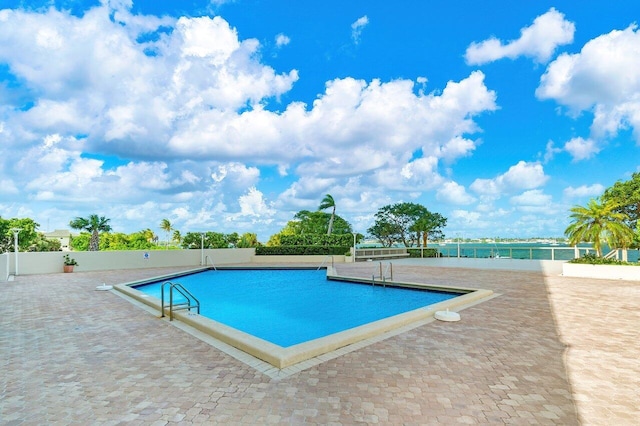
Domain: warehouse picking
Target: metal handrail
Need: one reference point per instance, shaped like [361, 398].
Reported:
[390, 269]
[185, 293]
[325, 261]
[212, 264]
[383, 275]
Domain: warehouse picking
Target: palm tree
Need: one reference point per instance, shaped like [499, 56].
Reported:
[149, 235]
[94, 224]
[598, 222]
[166, 226]
[177, 236]
[327, 202]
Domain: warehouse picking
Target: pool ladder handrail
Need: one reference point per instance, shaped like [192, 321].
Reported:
[212, 264]
[383, 275]
[189, 304]
[325, 261]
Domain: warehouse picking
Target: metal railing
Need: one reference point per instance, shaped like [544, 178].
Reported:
[383, 274]
[190, 303]
[325, 261]
[380, 253]
[527, 253]
[212, 264]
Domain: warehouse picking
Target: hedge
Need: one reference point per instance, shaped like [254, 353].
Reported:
[593, 259]
[428, 252]
[317, 240]
[301, 250]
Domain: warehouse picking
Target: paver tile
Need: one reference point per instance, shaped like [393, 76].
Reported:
[547, 350]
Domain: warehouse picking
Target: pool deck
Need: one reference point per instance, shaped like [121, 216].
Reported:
[547, 350]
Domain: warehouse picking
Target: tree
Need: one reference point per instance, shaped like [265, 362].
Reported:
[329, 202]
[80, 242]
[93, 224]
[625, 196]
[405, 223]
[149, 235]
[177, 237]
[599, 221]
[26, 237]
[232, 239]
[166, 226]
[385, 232]
[248, 240]
[139, 241]
[211, 240]
[397, 220]
[311, 223]
[306, 222]
[41, 243]
[429, 223]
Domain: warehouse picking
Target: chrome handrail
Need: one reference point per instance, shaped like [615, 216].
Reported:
[212, 264]
[184, 292]
[325, 260]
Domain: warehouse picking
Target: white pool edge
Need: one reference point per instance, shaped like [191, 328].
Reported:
[282, 358]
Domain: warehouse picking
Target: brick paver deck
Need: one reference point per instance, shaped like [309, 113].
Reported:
[548, 350]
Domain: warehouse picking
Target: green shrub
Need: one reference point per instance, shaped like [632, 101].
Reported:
[593, 259]
[428, 252]
[317, 239]
[300, 250]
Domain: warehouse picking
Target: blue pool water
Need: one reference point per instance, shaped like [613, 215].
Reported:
[287, 307]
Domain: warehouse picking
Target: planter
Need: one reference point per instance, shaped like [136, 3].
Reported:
[67, 268]
[609, 272]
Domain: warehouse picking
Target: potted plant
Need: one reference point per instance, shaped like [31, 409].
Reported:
[69, 263]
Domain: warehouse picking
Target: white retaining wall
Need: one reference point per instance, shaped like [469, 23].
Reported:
[52, 262]
[608, 272]
[4, 266]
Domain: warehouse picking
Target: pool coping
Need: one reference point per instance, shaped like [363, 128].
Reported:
[281, 357]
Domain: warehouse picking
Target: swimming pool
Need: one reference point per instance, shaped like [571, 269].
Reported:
[320, 348]
[288, 307]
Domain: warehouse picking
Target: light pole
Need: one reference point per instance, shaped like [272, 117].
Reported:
[202, 249]
[458, 245]
[16, 231]
[354, 246]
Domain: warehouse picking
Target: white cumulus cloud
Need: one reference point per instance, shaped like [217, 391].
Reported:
[520, 176]
[534, 197]
[604, 78]
[581, 149]
[254, 205]
[538, 41]
[184, 112]
[454, 193]
[594, 190]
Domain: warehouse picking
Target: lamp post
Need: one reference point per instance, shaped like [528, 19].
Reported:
[202, 249]
[16, 231]
[354, 246]
[458, 245]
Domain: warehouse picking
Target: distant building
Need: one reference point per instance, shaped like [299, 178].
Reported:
[61, 235]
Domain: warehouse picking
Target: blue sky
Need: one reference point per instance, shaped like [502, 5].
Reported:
[234, 115]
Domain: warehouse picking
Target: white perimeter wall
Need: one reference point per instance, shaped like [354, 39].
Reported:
[52, 262]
